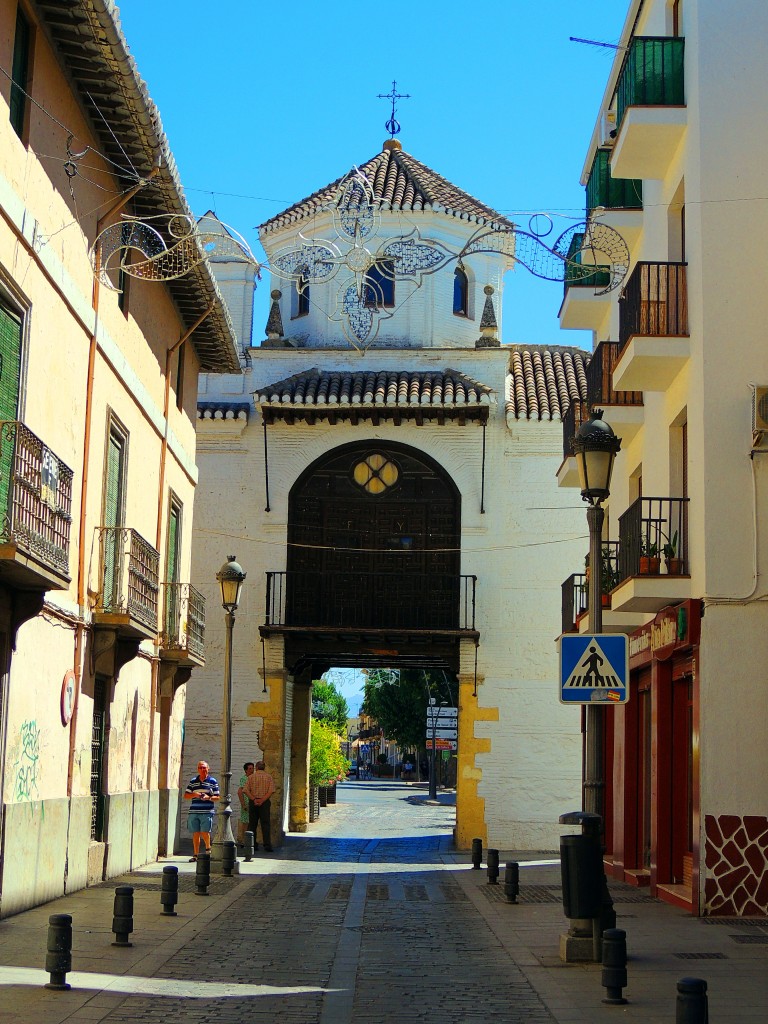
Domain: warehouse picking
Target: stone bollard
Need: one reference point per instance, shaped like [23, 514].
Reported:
[58, 959]
[492, 859]
[477, 854]
[614, 977]
[202, 874]
[169, 893]
[512, 881]
[248, 847]
[228, 857]
[692, 1003]
[122, 919]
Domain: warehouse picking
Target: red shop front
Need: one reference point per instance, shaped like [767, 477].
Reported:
[652, 742]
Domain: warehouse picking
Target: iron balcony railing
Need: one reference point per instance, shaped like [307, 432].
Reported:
[608, 192]
[654, 302]
[653, 538]
[575, 415]
[583, 276]
[183, 619]
[574, 598]
[652, 75]
[35, 496]
[369, 600]
[128, 570]
[600, 378]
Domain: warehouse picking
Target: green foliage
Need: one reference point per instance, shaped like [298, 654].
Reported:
[397, 700]
[329, 706]
[326, 761]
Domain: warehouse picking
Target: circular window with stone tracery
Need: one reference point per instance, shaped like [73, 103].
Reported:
[375, 474]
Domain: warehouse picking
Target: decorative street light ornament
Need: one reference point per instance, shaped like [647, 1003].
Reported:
[230, 578]
[595, 447]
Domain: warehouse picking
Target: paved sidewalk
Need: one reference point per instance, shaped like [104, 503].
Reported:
[371, 916]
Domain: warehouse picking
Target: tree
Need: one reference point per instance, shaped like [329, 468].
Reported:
[326, 761]
[329, 706]
[398, 700]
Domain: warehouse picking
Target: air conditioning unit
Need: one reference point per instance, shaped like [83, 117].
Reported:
[607, 127]
[759, 416]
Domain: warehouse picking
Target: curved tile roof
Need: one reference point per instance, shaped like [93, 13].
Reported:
[321, 393]
[543, 381]
[399, 182]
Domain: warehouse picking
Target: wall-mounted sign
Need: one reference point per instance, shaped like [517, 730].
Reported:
[68, 697]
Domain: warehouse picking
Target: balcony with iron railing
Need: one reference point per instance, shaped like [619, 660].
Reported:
[586, 299]
[182, 638]
[576, 414]
[623, 409]
[35, 511]
[618, 202]
[653, 564]
[353, 602]
[653, 327]
[650, 107]
[127, 595]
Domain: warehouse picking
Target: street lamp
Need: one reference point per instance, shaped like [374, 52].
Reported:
[595, 447]
[435, 715]
[230, 578]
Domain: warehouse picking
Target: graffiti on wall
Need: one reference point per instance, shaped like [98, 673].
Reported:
[27, 765]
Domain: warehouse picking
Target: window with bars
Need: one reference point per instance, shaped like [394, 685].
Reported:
[10, 377]
[98, 745]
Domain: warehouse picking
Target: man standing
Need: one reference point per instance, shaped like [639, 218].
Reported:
[259, 787]
[203, 791]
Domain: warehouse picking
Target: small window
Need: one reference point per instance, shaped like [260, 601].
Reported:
[20, 73]
[460, 293]
[302, 299]
[379, 287]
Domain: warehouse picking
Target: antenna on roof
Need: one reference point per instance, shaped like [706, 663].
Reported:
[392, 125]
[594, 42]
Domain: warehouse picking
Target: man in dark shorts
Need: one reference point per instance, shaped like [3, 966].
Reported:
[203, 791]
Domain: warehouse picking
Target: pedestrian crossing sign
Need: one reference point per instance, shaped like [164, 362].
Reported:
[594, 669]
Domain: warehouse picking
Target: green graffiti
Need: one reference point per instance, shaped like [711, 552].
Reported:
[27, 764]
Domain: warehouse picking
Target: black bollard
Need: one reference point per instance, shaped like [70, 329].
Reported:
[228, 857]
[614, 965]
[477, 854]
[122, 919]
[512, 881]
[169, 894]
[202, 874]
[248, 847]
[492, 859]
[692, 1003]
[58, 959]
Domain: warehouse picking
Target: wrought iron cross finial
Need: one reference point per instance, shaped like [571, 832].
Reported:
[393, 125]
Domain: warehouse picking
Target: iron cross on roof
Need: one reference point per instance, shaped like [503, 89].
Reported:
[393, 125]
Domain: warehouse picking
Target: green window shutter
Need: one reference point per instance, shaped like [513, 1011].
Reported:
[19, 73]
[10, 365]
[113, 509]
[172, 572]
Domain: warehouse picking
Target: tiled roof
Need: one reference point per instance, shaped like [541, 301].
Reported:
[320, 394]
[400, 182]
[542, 382]
[223, 410]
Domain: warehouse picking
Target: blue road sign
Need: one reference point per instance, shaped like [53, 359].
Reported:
[594, 669]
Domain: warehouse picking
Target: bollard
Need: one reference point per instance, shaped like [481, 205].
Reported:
[122, 919]
[692, 1003]
[477, 854]
[58, 959]
[228, 857]
[169, 893]
[512, 881]
[614, 965]
[202, 874]
[492, 859]
[248, 847]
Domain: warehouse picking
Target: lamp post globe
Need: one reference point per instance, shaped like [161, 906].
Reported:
[230, 577]
[595, 446]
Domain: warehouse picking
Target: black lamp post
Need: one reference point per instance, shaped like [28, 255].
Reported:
[230, 578]
[595, 447]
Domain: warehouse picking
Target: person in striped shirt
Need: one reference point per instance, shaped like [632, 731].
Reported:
[203, 791]
[259, 787]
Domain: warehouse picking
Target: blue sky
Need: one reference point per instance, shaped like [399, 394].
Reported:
[271, 102]
[264, 103]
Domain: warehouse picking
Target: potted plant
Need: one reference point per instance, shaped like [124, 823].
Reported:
[650, 562]
[669, 550]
